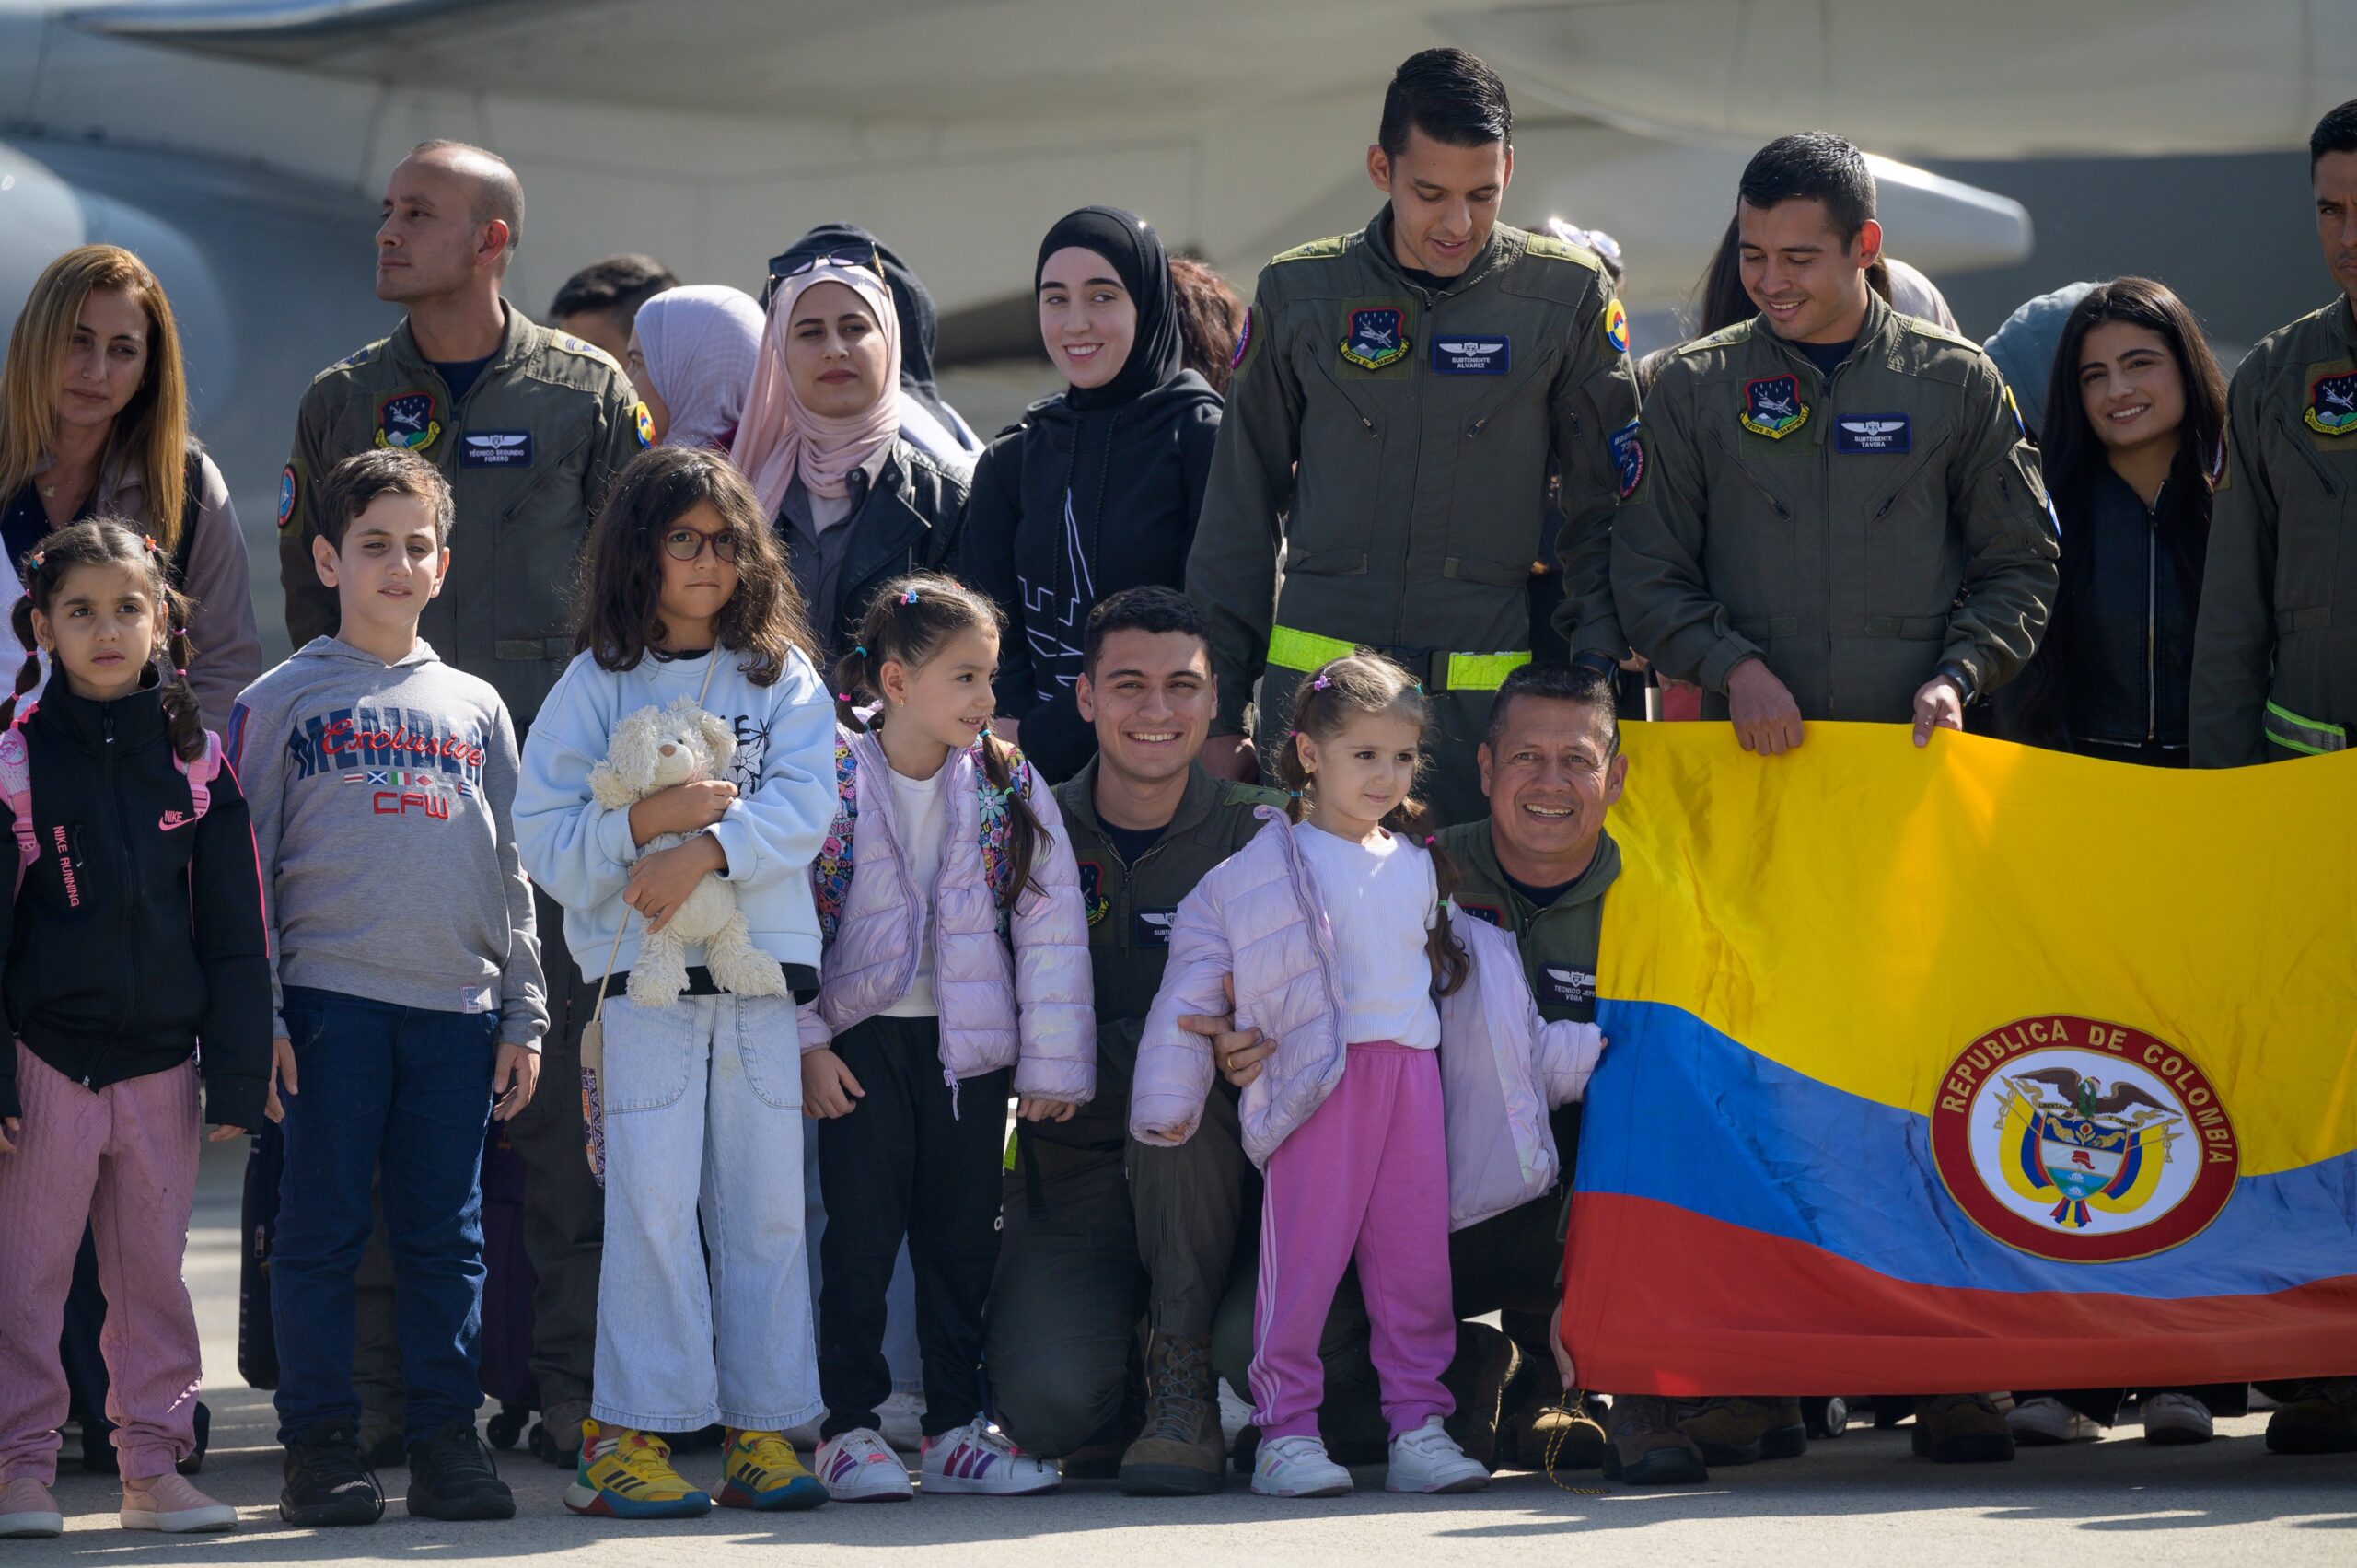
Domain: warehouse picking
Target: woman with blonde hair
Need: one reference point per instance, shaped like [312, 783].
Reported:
[94, 423]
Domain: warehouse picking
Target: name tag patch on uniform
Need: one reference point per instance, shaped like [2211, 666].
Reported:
[497, 449]
[1628, 456]
[2333, 404]
[1151, 928]
[1873, 433]
[406, 420]
[1472, 356]
[1772, 406]
[1565, 984]
[1376, 337]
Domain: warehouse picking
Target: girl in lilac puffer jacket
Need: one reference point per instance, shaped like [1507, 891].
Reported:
[955, 973]
[1336, 931]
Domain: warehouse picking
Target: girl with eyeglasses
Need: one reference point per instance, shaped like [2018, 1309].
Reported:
[687, 596]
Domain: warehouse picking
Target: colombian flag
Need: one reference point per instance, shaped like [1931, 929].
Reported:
[1974, 1067]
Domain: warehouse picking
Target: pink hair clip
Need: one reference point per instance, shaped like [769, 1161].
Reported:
[910, 596]
[1321, 683]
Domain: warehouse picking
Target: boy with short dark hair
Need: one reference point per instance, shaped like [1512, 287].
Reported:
[409, 985]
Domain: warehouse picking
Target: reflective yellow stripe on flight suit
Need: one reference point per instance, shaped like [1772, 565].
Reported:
[1290, 648]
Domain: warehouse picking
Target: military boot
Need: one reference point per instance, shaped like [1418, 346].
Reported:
[1180, 1451]
[2322, 1419]
[1961, 1429]
[1744, 1430]
[1646, 1448]
[1476, 1380]
[1554, 1431]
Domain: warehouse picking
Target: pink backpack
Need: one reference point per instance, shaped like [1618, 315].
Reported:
[17, 788]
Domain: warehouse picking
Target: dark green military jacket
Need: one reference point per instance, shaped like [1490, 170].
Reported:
[1130, 909]
[2275, 645]
[1559, 943]
[1856, 531]
[1393, 444]
[528, 452]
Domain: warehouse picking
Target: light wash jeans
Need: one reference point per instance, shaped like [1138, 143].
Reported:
[710, 1085]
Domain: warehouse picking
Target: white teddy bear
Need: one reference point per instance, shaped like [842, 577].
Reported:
[652, 750]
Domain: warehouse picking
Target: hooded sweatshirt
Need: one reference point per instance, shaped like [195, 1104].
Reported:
[785, 771]
[382, 798]
[136, 934]
[1095, 490]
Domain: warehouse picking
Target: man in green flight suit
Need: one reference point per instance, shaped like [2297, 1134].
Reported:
[1399, 397]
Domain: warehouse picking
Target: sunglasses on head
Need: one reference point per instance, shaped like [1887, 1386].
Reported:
[864, 258]
[686, 544]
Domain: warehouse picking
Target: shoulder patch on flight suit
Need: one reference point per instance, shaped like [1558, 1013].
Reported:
[2333, 404]
[1331, 246]
[1248, 343]
[1615, 325]
[586, 349]
[1234, 794]
[1938, 333]
[290, 487]
[644, 423]
[356, 358]
[1548, 248]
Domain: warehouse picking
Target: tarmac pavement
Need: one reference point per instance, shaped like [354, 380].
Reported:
[1862, 1499]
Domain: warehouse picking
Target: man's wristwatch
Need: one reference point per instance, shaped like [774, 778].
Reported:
[1962, 678]
[1598, 661]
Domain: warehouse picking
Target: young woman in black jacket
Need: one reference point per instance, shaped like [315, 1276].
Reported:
[1096, 490]
[133, 940]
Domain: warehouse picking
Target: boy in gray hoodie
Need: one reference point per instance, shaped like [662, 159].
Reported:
[410, 996]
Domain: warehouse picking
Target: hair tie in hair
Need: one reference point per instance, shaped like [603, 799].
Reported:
[1292, 794]
[843, 697]
[1430, 839]
[1321, 683]
[860, 648]
[985, 735]
[1420, 688]
[41, 559]
[150, 541]
[180, 630]
[910, 596]
[178, 673]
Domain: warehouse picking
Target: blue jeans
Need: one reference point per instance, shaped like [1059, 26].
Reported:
[408, 1089]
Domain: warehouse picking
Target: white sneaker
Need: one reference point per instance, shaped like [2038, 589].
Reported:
[977, 1458]
[1428, 1459]
[1298, 1467]
[2176, 1418]
[2046, 1420]
[1235, 1413]
[901, 1419]
[858, 1468]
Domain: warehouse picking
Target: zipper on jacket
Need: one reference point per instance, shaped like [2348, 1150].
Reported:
[1506, 394]
[2324, 475]
[2152, 624]
[124, 890]
[1912, 476]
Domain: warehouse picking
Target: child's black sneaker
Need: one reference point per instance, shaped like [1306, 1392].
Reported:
[326, 1481]
[451, 1476]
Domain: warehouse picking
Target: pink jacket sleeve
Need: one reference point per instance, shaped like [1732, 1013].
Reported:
[1174, 1067]
[1055, 989]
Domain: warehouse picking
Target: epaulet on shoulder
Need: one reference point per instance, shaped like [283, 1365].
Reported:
[1329, 246]
[1725, 337]
[1937, 333]
[586, 349]
[358, 358]
[1548, 248]
[1234, 794]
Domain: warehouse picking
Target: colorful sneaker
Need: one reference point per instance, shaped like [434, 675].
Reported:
[168, 1502]
[1298, 1467]
[1428, 1459]
[977, 1458]
[28, 1511]
[762, 1472]
[628, 1475]
[859, 1467]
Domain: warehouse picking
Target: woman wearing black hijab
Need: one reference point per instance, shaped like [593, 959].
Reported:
[1098, 488]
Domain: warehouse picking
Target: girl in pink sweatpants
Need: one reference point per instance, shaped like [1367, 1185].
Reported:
[1366, 1175]
[134, 943]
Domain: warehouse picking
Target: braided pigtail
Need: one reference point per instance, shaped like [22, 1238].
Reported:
[28, 673]
[182, 716]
